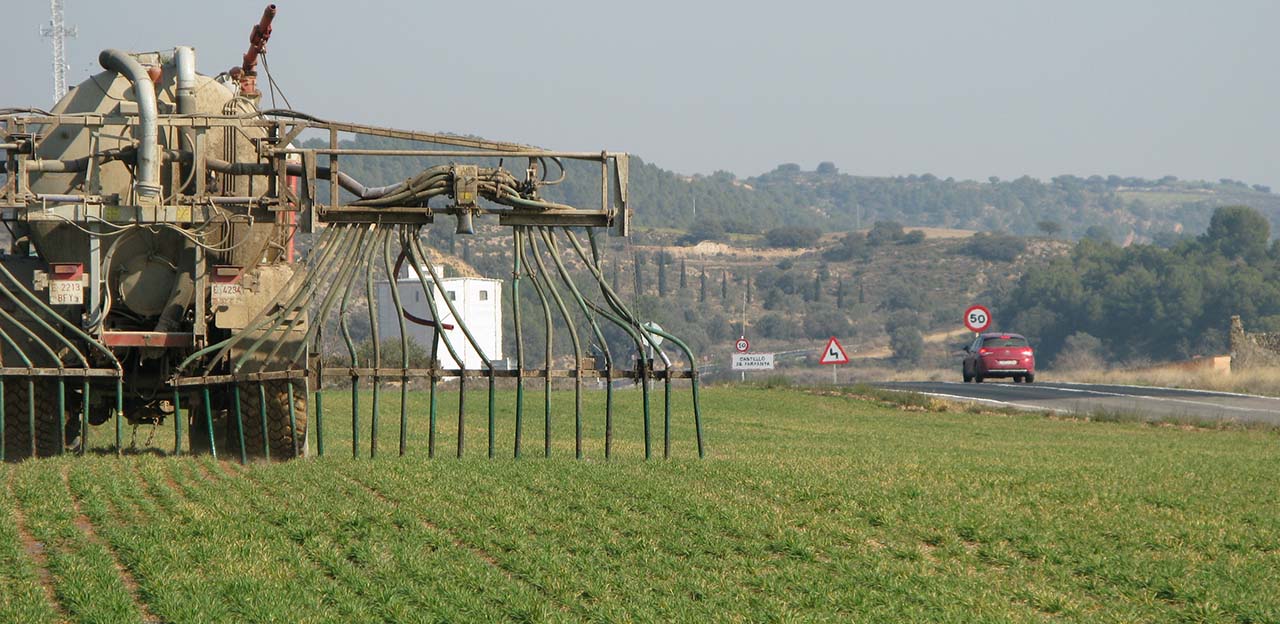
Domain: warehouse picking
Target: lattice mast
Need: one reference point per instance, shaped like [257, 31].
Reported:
[57, 32]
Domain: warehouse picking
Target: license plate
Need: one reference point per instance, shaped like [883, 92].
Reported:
[1006, 362]
[224, 295]
[66, 292]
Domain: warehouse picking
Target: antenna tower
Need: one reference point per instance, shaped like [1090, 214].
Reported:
[58, 32]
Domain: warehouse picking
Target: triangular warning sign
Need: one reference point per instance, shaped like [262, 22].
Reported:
[834, 353]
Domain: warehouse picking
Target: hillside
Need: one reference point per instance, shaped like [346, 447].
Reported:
[792, 298]
[1124, 209]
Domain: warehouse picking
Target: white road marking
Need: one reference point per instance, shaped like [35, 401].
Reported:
[1144, 397]
[1216, 392]
[1028, 406]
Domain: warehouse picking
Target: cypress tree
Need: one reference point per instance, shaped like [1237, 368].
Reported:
[684, 281]
[702, 287]
[724, 285]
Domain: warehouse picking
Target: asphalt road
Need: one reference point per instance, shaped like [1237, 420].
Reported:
[1151, 403]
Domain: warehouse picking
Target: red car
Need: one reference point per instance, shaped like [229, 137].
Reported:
[999, 355]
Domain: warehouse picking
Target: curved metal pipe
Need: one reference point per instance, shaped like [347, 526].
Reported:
[144, 92]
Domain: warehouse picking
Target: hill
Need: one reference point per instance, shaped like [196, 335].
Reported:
[1123, 209]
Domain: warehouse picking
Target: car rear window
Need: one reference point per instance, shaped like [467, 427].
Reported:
[1000, 341]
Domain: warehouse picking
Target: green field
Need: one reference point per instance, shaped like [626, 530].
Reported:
[808, 508]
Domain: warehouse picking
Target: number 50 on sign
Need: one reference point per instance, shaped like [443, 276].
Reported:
[977, 318]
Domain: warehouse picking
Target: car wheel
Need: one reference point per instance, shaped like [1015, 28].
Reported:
[1017, 379]
[967, 377]
[977, 379]
[1028, 378]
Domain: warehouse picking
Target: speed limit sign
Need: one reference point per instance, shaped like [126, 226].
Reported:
[977, 318]
[742, 345]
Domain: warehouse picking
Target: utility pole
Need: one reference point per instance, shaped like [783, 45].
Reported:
[58, 32]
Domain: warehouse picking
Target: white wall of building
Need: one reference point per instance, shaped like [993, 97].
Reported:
[478, 301]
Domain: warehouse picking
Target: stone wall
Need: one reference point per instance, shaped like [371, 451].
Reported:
[1253, 349]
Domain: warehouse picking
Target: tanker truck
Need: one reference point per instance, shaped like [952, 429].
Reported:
[152, 272]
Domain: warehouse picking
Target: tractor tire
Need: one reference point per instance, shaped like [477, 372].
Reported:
[17, 423]
[280, 439]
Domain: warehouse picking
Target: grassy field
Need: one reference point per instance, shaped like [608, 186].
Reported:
[809, 508]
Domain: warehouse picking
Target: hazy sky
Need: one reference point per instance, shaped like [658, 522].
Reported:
[964, 89]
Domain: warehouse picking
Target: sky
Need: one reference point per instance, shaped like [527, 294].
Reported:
[957, 89]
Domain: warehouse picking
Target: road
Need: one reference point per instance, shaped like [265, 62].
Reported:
[1152, 403]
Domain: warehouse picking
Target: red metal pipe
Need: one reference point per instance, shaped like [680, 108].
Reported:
[257, 45]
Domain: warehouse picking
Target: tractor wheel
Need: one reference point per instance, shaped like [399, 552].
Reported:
[278, 435]
[17, 419]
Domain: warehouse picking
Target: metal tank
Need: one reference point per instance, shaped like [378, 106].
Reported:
[152, 272]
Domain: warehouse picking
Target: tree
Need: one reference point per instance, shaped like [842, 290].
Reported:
[827, 168]
[792, 236]
[826, 322]
[852, 245]
[905, 340]
[914, 237]
[1238, 232]
[724, 284]
[702, 286]
[1049, 228]
[1098, 233]
[707, 227]
[1080, 352]
[684, 281]
[885, 232]
[995, 246]
[903, 296]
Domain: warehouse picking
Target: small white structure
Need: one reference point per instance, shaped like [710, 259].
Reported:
[478, 301]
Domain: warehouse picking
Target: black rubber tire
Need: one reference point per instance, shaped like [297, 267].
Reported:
[279, 438]
[17, 424]
[1028, 378]
[977, 379]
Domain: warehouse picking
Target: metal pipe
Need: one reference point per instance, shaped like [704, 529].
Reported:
[416, 259]
[144, 93]
[184, 58]
[425, 261]
[393, 284]
[547, 354]
[518, 242]
[371, 304]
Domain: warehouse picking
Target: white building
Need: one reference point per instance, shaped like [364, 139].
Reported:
[478, 301]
